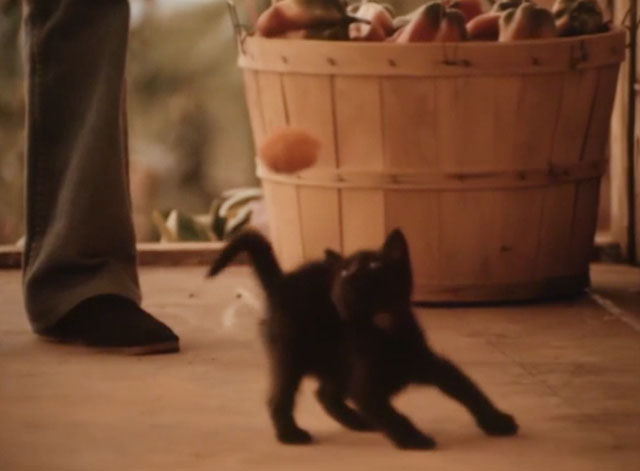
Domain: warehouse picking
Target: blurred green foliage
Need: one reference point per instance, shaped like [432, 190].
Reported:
[189, 131]
[188, 119]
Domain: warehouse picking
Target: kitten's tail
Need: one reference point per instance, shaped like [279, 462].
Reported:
[260, 253]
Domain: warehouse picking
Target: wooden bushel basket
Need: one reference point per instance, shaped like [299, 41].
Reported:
[487, 155]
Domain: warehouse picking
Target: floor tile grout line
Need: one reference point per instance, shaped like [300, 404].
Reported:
[587, 416]
[615, 310]
[536, 378]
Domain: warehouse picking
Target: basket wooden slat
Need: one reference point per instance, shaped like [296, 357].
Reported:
[488, 156]
[409, 103]
[554, 238]
[415, 212]
[584, 224]
[575, 109]
[540, 99]
[303, 93]
[363, 219]
[506, 111]
[252, 97]
[597, 135]
[517, 215]
[320, 214]
[358, 110]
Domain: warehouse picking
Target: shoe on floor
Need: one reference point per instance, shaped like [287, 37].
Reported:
[115, 324]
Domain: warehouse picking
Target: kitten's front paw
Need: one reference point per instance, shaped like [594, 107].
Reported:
[499, 424]
[295, 436]
[416, 442]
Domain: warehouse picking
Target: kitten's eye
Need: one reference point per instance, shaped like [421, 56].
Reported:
[374, 264]
[349, 270]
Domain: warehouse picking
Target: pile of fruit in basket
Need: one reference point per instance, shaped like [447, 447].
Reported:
[435, 21]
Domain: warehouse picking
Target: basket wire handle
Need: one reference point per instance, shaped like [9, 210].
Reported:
[239, 29]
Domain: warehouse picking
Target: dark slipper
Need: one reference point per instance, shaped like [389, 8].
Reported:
[115, 324]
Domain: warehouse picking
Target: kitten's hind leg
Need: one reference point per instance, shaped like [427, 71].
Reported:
[454, 383]
[285, 382]
[332, 397]
[394, 425]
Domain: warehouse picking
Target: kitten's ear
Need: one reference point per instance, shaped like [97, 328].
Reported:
[332, 257]
[395, 246]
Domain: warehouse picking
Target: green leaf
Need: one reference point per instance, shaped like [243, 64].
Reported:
[244, 195]
[159, 221]
[185, 228]
[238, 221]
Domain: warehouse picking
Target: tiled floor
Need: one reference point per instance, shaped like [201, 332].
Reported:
[569, 371]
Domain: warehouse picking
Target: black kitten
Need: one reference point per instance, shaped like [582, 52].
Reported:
[372, 293]
[348, 321]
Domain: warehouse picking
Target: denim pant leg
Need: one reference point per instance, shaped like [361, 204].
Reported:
[80, 240]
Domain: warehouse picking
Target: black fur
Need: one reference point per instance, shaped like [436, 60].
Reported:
[348, 321]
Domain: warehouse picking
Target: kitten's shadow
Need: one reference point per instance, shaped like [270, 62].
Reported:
[445, 441]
